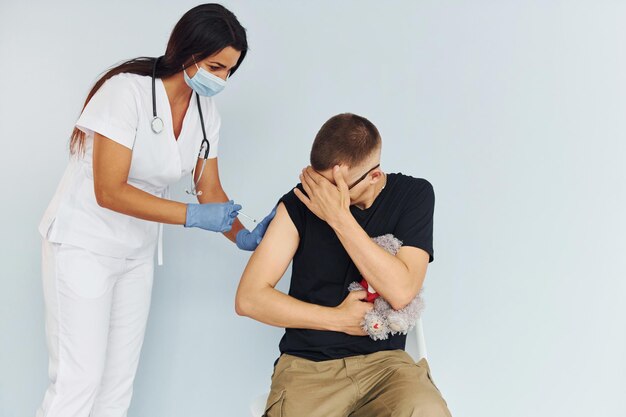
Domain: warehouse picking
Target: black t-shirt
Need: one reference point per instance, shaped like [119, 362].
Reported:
[322, 269]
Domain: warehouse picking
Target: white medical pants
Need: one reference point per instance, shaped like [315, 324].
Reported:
[96, 310]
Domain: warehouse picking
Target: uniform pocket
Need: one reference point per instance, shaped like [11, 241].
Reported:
[274, 407]
[84, 273]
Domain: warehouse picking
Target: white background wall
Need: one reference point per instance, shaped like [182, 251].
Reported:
[514, 110]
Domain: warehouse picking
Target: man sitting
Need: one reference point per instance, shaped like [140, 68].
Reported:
[328, 365]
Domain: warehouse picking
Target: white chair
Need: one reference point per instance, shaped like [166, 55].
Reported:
[415, 346]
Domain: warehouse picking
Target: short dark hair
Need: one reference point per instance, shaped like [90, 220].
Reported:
[344, 139]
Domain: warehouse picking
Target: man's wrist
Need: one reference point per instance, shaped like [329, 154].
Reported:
[342, 220]
[329, 316]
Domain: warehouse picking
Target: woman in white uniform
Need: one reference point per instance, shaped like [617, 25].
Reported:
[141, 129]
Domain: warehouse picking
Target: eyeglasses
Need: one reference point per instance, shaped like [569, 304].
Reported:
[362, 178]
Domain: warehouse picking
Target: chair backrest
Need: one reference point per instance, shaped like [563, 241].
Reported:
[416, 343]
[415, 346]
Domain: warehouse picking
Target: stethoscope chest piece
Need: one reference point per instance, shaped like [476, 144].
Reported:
[157, 124]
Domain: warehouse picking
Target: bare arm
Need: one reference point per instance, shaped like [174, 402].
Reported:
[257, 297]
[397, 278]
[111, 164]
[212, 191]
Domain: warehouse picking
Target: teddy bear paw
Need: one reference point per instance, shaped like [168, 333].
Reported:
[376, 328]
[398, 324]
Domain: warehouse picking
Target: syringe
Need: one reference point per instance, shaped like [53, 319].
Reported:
[241, 213]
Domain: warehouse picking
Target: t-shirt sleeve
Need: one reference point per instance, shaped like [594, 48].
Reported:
[296, 209]
[214, 122]
[112, 112]
[415, 226]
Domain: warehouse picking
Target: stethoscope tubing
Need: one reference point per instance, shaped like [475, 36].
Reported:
[157, 126]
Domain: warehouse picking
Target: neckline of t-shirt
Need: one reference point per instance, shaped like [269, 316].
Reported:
[183, 129]
[390, 181]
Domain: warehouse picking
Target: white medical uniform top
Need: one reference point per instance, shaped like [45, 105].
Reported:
[122, 111]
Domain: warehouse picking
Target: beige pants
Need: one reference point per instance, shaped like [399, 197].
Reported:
[387, 383]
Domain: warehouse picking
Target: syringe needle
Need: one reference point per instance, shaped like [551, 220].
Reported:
[246, 216]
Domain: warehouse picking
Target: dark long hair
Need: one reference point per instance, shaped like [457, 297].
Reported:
[201, 32]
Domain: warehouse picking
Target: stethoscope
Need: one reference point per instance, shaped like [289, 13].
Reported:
[157, 126]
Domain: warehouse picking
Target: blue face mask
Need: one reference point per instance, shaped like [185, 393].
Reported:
[204, 83]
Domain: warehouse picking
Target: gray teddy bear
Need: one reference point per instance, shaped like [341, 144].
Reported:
[383, 320]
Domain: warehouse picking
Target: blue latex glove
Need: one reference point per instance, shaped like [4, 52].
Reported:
[216, 217]
[249, 240]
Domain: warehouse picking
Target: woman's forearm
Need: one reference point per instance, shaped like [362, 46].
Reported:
[132, 201]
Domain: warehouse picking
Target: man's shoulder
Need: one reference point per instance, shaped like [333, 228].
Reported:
[295, 208]
[290, 197]
[404, 183]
